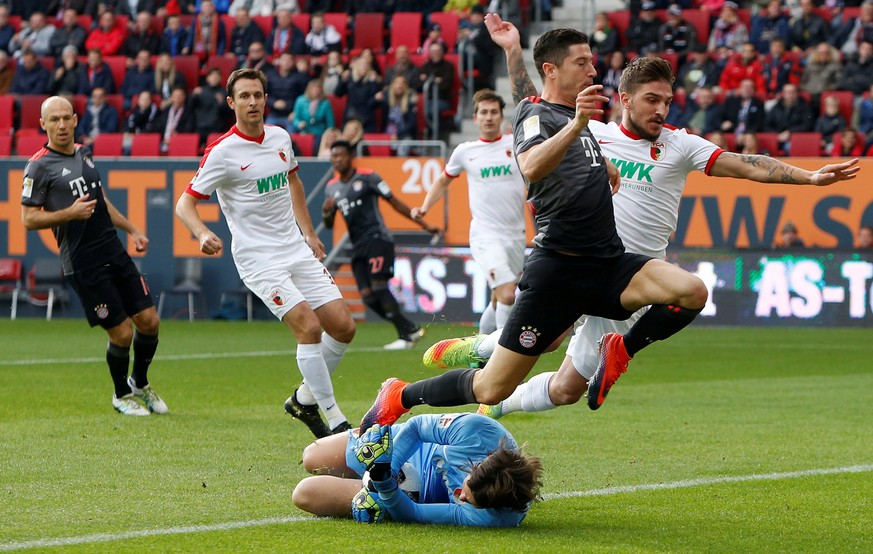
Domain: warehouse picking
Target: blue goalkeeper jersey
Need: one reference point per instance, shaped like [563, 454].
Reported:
[441, 448]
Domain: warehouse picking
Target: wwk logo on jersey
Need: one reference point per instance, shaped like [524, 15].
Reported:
[496, 171]
[272, 183]
[635, 170]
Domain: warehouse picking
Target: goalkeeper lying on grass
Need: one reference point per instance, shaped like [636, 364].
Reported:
[456, 469]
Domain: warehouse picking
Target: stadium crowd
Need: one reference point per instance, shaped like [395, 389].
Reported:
[783, 78]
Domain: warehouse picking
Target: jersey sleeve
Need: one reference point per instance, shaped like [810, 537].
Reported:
[700, 153]
[293, 166]
[210, 175]
[34, 185]
[379, 186]
[454, 166]
[402, 508]
[533, 125]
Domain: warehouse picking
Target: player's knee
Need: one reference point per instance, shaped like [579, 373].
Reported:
[305, 495]
[696, 295]
[505, 295]
[311, 460]
[345, 331]
[149, 324]
[122, 334]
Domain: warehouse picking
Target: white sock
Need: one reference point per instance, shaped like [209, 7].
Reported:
[502, 314]
[317, 379]
[532, 396]
[332, 351]
[487, 322]
[486, 347]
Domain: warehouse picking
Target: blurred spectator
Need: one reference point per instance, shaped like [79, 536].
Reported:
[353, 133]
[207, 35]
[196, 6]
[830, 122]
[361, 83]
[434, 35]
[677, 35]
[711, 7]
[140, 119]
[286, 84]
[107, 36]
[30, 76]
[6, 72]
[604, 37]
[857, 75]
[611, 76]
[745, 64]
[327, 139]
[840, 25]
[744, 111]
[401, 115]
[848, 145]
[323, 6]
[174, 37]
[680, 111]
[751, 146]
[7, 31]
[699, 71]
[167, 79]
[322, 38]
[99, 117]
[142, 37]
[861, 30]
[370, 56]
[403, 66]
[483, 49]
[719, 139]
[770, 25]
[254, 7]
[138, 77]
[96, 74]
[177, 117]
[822, 71]
[706, 115]
[67, 77]
[788, 237]
[285, 37]
[313, 114]
[460, 7]
[35, 35]
[209, 106]
[643, 32]
[245, 33]
[70, 33]
[779, 68]
[790, 114]
[441, 74]
[809, 29]
[728, 33]
[333, 69]
[865, 236]
[865, 116]
[257, 59]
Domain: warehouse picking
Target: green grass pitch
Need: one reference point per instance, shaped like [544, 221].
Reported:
[717, 440]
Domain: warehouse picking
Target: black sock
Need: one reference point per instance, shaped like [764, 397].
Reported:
[118, 358]
[393, 313]
[452, 388]
[373, 303]
[660, 322]
[144, 347]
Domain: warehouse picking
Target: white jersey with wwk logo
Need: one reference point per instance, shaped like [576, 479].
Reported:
[653, 176]
[496, 188]
[250, 177]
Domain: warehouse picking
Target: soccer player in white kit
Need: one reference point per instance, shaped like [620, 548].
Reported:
[252, 170]
[497, 197]
[655, 161]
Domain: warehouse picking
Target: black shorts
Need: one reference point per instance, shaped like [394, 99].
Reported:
[112, 292]
[557, 289]
[373, 259]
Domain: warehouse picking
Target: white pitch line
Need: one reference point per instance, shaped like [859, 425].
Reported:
[703, 481]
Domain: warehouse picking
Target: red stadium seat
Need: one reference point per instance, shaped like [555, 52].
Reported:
[770, 143]
[30, 110]
[378, 149]
[338, 104]
[224, 64]
[27, 145]
[265, 22]
[846, 99]
[85, 21]
[117, 102]
[301, 21]
[7, 114]
[118, 67]
[145, 145]
[338, 20]
[303, 143]
[620, 20]
[805, 144]
[189, 67]
[448, 22]
[184, 144]
[107, 144]
[406, 30]
[700, 20]
[5, 145]
[48, 62]
[370, 31]
[212, 137]
[80, 103]
[229, 23]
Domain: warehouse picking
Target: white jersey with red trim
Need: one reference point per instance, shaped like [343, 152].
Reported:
[653, 175]
[250, 177]
[496, 188]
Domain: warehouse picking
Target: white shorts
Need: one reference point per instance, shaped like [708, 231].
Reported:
[283, 287]
[502, 260]
[583, 343]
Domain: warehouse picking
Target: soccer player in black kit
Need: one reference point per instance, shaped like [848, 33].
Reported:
[62, 191]
[355, 192]
[578, 265]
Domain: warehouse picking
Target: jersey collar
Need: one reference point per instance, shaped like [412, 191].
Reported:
[259, 139]
[628, 133]
[483, 139]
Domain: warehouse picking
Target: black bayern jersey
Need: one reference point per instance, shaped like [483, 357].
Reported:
[54, 181]
[572, 204]
[358, 200]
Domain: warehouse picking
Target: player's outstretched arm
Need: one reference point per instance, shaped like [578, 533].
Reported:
[140, 241]
[186, 211]
[505, 35]
[404, 210]
[764, 169]
[437, 191]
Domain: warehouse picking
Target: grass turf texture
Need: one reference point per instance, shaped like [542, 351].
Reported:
[707, 403]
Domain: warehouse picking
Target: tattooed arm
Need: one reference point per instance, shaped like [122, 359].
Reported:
[764, 169]
[505, 35]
